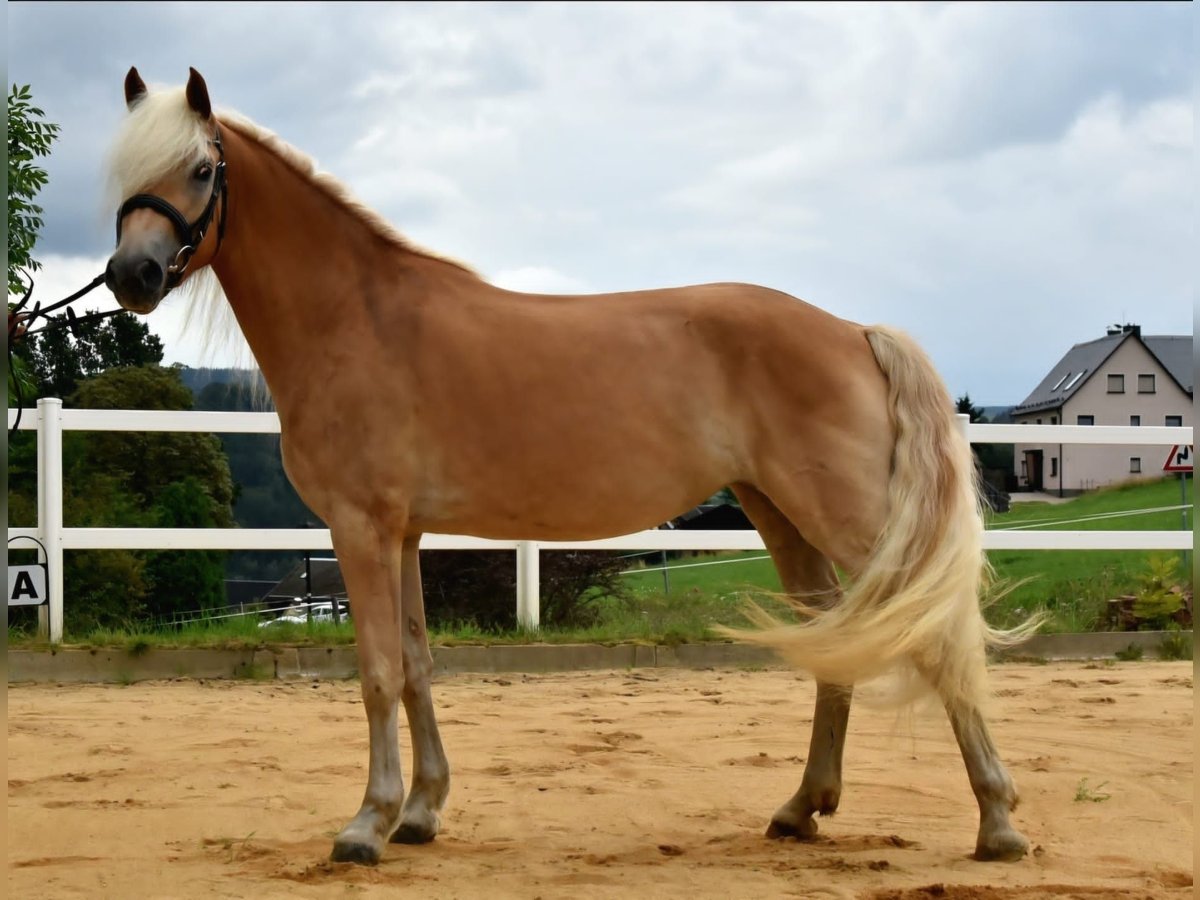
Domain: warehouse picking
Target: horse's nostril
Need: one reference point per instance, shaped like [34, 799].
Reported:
[150, 274]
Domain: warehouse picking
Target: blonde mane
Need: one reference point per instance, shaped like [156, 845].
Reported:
[161, 134]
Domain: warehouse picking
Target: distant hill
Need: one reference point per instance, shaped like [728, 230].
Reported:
[197, 380]
[997, 415]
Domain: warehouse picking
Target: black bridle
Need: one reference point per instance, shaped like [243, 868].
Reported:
[191, 236]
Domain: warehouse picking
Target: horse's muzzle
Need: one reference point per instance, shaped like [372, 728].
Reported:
[138, 282]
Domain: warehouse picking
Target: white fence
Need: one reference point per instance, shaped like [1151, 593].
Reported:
[50, 420]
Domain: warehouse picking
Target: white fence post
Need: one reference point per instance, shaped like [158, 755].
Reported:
[964, 421]
[528, 586]
[50, 509]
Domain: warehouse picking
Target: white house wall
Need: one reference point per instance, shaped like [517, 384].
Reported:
[1086, 466]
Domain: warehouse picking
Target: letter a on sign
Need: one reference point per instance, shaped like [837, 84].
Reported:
[1180, 459]
[26, 585]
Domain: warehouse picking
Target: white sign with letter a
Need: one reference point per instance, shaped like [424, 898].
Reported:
[26, 585]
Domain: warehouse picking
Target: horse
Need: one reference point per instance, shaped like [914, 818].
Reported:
[415, 397]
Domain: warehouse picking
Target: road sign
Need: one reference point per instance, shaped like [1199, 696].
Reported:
[27, 585]
[1180, 459]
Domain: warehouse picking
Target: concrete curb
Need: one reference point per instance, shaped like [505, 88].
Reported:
[122, 667]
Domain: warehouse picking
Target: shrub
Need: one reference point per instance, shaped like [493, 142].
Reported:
[1156, 603]
[480, 587]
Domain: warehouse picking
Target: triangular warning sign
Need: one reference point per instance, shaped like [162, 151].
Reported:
[1180, 459]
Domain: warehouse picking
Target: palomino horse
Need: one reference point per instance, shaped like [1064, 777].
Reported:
[415, 397]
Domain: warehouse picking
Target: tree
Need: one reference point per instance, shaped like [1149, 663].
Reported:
[165, 480]
[63, 357]
[963, 407]
[191, 580]
[28, 138]
[146, 463]
[993, 458]
[134, 479]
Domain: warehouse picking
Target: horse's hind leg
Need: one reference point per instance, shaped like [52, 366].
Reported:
[994, 789]
[431, 773]
[804, 570]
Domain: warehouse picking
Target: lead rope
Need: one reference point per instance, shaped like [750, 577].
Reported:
[19, 322]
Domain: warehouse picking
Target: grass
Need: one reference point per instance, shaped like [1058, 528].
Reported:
[1131, 653]
[1085, 794]
[1177, 645]
[1071, 586]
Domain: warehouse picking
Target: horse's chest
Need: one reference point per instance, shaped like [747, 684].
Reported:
[356, 466]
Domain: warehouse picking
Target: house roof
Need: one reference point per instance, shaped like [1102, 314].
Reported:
[1173, 352]
[326, 577]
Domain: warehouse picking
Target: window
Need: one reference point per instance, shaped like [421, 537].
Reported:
[1135, 420]
[1053, 466]
[1054, 420]
[1146, 384]
[1085, 420]
[1039, 421]
[1058, 383]
[1135, 464]
[1174, 420]
[1116, 384]
[1070, 384]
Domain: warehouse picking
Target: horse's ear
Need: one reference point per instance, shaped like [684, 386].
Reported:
[197, 94]
[135, 88]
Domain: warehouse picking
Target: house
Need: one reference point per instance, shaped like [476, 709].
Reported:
[1123, 378]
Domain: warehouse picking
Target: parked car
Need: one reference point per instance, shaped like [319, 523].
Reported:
[298, 620]
[322, 611]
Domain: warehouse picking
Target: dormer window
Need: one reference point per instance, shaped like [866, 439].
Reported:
[1070, 384]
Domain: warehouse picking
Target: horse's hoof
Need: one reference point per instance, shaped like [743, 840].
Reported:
[805, 830]
[355, 852]
[412, 833]
[1004, 846]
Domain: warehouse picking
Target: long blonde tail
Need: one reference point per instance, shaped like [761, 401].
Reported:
[917, 599]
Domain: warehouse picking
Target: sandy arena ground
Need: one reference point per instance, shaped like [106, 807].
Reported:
[654, 783]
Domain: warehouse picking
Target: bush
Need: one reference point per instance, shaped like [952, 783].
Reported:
[1156, 603]
[480, 587]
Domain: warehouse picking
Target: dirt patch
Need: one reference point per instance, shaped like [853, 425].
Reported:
[593, 784]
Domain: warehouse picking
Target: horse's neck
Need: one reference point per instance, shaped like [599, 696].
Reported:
[293, 267]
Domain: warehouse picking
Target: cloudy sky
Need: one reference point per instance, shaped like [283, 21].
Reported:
[1000, 180]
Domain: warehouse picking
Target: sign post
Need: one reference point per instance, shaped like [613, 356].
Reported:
[1180, 460]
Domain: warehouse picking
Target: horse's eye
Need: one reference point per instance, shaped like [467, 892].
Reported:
[203, 172]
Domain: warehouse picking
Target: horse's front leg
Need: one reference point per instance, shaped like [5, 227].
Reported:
[431, 773]
[370, 562]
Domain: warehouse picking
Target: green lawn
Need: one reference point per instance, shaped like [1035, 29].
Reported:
[1071, 585]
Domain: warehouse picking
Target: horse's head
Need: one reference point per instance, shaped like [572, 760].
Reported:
[168, 172]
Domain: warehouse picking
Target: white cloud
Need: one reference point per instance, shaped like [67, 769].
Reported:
[538, 280]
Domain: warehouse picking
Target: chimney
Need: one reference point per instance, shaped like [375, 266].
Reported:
[1135, 330]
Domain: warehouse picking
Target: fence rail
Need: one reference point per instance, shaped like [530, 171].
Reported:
[51, 420]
